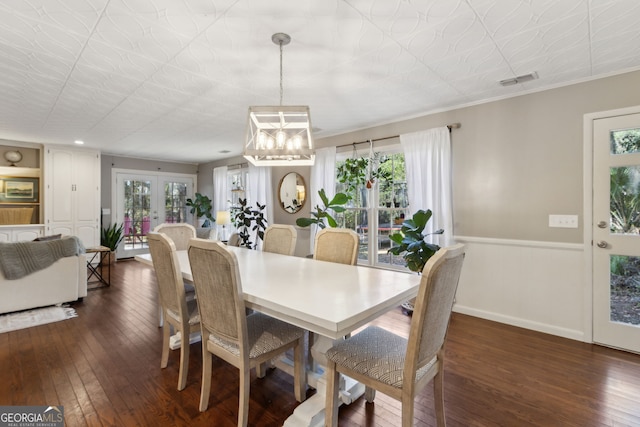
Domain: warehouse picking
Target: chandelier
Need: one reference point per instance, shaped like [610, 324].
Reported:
[279, 135]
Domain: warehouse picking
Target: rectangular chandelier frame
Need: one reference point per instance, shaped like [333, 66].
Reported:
[279, 136]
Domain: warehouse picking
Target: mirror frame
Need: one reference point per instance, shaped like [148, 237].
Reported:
[299, 178]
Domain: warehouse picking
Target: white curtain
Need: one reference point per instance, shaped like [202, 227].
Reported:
[220, 196]
[323, 175]
[260, 190]
[220, 190]
[428, 166]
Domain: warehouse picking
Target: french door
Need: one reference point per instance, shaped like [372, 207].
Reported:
[616, 231]
[145, 200]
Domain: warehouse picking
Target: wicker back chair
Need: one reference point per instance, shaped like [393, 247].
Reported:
[280, 239]
[176, 310]
[241, 340]
[397, 366]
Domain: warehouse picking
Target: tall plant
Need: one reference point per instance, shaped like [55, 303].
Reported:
[201, 207]
[321, 215]
[411, 241]
[250, 223]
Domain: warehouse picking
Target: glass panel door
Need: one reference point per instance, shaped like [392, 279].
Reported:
[616, 232]
[143, 202]
[137, 208]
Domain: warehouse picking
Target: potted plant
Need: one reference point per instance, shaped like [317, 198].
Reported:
[247, 220]
[379, 172]
[201, 207]
[353, 173]
[111, 237]
[411, 244]
[321, 214]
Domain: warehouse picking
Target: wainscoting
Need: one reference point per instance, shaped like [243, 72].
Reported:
[535, 285]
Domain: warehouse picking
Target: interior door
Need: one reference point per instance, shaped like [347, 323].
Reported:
[616, 232]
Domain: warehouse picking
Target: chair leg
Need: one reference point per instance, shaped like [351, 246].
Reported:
[261, 370]
[243, 408]
[206, 378]
[166, 332]
[407, 412]
[369, 394]
[160, 317]
[331, 403]
[184, 358]
[299, 374]
[438, 397]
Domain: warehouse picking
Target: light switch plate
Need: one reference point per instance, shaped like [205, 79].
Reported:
[563, 221]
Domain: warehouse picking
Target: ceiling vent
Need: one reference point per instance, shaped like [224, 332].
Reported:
[519, 79]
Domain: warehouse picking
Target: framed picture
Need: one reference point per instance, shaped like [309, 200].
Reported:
[19, 190]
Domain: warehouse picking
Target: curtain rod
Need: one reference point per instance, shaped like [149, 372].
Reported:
[237, 166]
[451, 126]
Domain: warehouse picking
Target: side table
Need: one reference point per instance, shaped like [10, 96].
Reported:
[97, 263]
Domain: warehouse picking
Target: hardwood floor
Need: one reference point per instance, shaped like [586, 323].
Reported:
[104, 367]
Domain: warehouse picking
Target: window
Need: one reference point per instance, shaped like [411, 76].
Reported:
[377, 212]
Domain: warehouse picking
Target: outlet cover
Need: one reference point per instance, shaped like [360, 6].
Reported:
[563, 221]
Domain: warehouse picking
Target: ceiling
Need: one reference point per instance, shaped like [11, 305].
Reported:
[173, 79]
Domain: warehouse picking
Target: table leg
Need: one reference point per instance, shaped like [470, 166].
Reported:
[310, 413]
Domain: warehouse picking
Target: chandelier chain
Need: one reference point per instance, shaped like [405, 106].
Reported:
[281, 90]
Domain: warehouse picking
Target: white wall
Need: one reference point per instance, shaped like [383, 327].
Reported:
[534, 285]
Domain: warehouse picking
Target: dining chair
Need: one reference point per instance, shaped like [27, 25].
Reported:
[180, 233]
[337, 245]
[280, 239]
[177, 312]
[234, 239]
[227, 332]
[396, 366]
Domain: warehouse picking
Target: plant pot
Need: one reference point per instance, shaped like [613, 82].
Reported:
[388, 204]
[112, 257]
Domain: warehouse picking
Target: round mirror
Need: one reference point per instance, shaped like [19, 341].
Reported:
[292, 192]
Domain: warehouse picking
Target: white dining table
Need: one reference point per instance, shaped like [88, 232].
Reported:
[329, 299]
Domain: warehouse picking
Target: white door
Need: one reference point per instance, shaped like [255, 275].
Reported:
[616, 232]
[144, 201]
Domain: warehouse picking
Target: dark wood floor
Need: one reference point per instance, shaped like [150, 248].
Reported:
[104, 367]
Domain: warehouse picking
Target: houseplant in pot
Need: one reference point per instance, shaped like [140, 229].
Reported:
[250, 223]
[411, 244]
[110, 237]
[201, 208]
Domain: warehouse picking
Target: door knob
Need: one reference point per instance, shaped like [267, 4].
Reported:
[602, 244]
[602, 224]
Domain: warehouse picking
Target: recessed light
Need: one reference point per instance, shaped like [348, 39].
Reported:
[79, 142]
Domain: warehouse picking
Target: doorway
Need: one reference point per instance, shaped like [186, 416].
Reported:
[143, 200]
[616, 231]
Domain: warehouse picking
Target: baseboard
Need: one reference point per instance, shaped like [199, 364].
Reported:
[521, 323]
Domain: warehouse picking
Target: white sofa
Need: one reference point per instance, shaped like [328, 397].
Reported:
[63, 281]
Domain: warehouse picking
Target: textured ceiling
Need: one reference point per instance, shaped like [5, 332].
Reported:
[173, 79]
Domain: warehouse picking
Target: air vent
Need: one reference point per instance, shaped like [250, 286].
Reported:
[224, 151]
[519, 79]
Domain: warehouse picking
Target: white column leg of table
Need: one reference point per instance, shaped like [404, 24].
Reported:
[310, 413]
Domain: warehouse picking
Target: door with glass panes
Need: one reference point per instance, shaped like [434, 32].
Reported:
[144, 201]
[616, 231]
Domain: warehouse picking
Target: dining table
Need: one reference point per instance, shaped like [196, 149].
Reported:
[331, 300]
